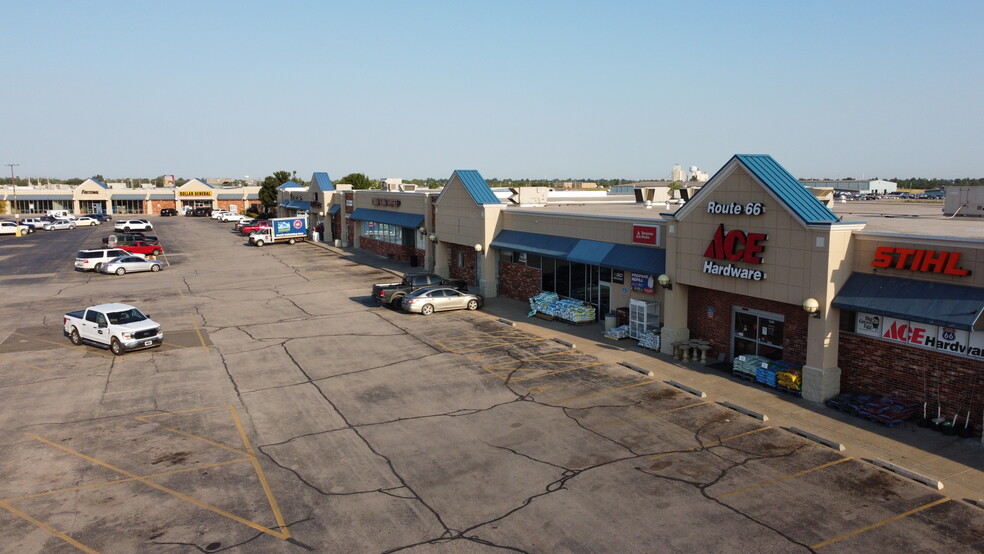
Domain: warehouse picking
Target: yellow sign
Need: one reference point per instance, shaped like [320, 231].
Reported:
[194, 193]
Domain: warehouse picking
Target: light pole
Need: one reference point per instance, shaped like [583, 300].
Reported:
[16, 213]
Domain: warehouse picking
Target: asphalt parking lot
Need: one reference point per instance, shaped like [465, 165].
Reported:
[286, 412]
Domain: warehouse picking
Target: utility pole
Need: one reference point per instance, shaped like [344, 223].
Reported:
[16, 213]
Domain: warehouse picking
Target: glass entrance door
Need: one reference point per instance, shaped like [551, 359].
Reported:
[756, 332]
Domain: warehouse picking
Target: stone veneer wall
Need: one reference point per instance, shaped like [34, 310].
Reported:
[469, 272]
[872, 366]
[518, 281]
[717, 329]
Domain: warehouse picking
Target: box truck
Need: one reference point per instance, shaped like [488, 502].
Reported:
[281, 229]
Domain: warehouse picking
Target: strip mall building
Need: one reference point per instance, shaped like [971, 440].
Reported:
[894, 309]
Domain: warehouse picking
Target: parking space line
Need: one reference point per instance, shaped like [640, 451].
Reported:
[47, 528]
[780, 479]
[162, 488]
[191, 435]
[260, 474]
[581, 362]
[62, 345]
[198, 331]
[601, 393]
[124, 480]
[647, 415]
[879, 524]
[39, 368]
[718, 443]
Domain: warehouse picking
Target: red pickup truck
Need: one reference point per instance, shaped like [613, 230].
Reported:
[141, 247]
[250, 229]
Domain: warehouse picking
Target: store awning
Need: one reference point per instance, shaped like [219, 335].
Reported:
[393, 218]
[590, 252]
[639, 259]
[229, 196]
[35, 197]
[534, 243]
[297, 205]
[942, 304]
[334, 209]
[129, 197]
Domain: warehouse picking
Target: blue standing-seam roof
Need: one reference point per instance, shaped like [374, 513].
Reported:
[290, 185]
[787, 188]
[322, 181]
[476, 186]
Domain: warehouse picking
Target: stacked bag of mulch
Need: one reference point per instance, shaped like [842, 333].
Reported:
[620, 332]
[747, 365]
[882, 409]
[788, 375]
[543, 303]
[650, 341]
[574, 311]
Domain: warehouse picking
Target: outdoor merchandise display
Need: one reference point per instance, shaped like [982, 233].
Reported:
[567, 309]
[882, 409]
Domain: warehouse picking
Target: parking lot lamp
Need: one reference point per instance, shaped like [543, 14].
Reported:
[16, 213]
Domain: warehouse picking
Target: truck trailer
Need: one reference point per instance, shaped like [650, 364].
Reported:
[281, 229]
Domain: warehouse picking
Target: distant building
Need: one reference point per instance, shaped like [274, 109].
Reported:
[578, 185]
[677, 174]
[873, 186]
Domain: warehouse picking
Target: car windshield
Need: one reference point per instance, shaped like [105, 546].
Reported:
[132, 315]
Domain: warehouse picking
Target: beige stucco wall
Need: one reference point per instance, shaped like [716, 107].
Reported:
[616, 230]
[459, 220]
[971, 258]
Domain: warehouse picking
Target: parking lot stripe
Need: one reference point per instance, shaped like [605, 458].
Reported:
[790, 476]
[63, 345]
[124, 480]
[193, 436]
[47, 528]
[879, 524]
[622, 421]
[39, 368]
[603, 392]
[718, 443]
[198, 331]
[162, 488]
[259, 473]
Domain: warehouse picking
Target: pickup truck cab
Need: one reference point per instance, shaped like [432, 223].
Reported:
[141, 247]
[259, 225]
[118, 327]
[393, 293]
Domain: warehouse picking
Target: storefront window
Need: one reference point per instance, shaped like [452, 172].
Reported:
[34, 206]
[128, 206]
[383, 232]
[759, 333]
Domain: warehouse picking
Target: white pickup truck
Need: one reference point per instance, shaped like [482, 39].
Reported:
[119, 327]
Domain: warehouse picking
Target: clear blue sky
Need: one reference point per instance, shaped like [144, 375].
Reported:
[513, 89]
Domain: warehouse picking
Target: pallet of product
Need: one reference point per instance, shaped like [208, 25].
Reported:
[746, 366]
[650, 341]
[618, 333]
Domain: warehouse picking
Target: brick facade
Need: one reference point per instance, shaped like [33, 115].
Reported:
[716, 328]
[468, 270]
[392, 251]
[158, 205]
[873, 366]
[518, 281]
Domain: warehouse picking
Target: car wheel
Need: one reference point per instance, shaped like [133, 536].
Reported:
[472, 304]
[116, 347]
[291, 241]
[396, 302]
[427, 309]
[71, 227]
[75, 337]
[155, 267]
[97, 267]
[121, 271]
[126, 229]
[259, 243]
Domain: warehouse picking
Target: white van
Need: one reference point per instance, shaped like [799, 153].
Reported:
[59, 214]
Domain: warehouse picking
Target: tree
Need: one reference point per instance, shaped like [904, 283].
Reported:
[98, 177]
[357, 180]
[268, 190]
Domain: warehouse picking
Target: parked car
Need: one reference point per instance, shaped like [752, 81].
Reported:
[10, 228]
[199, 212]
[119, 327]
[101, 217]
[59, 224]
[94, 259]
[130, 263]
[141, 247]
[133, 236]
[393, 293]
[231, 216]
[85, 220]
[216, 214]
[35, 222]
[169, 212]
[437, 299]
[250, 229]
[243, 223]
[128, 225]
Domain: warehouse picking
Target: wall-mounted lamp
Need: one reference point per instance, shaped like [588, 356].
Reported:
[432, 237]
[812, 307]
[664, 281]
[422, 231]
[478, 248]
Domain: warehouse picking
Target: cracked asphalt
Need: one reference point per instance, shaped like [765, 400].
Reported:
[286, 412]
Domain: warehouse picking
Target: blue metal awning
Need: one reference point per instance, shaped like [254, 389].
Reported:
[942, 304]
[129, 197]
[393, 218]
[229, 196]
[639, 259]
[590, 252]
[334, 209]
[297, 205]
[534, 243]
[35, 197]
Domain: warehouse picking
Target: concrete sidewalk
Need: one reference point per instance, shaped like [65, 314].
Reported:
[957, 463]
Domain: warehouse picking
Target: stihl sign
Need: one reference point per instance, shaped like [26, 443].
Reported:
[929, 261]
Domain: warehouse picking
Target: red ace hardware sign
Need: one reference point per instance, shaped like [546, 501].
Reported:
[735, 246]
[928, 261]
[944, 339]
[645, 234]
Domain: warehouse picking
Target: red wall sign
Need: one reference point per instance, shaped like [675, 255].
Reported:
[929, 261]
[736, 246]
[645, 234]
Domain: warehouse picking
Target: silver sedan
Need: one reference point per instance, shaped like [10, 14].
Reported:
[125, 264]
[59, 224]
[438, 299]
